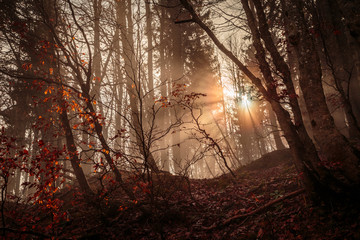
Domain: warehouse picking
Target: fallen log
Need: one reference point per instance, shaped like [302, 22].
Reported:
[258, 210]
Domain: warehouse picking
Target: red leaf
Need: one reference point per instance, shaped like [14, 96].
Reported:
[260, 233]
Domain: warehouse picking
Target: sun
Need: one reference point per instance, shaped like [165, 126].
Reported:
[245, 101]
[233, 96]
[244, 98]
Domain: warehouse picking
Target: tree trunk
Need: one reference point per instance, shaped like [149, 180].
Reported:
[119, 80]
[163, 116]
[71, 147]
[97, 7]
[149, 35]
[177, 72]
[334, 149]
[133, 83]
[350, 11]
[275, 130]
[337, 57]
[34, 150]
[349, 14]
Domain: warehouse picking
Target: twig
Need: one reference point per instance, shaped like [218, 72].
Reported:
[184, 21]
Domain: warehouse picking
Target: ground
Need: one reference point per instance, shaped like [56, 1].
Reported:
[264, 201]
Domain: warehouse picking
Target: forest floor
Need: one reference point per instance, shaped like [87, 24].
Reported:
[264, 201]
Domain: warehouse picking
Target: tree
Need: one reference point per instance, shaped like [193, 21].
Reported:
[134, 85]
[333, 146]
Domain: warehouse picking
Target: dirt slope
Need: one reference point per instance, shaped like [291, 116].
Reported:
[265, 201]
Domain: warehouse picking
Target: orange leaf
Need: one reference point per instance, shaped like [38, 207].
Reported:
[27, 66]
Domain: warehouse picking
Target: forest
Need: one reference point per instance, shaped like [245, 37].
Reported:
[180, 119]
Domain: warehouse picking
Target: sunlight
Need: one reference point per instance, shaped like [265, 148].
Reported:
[245, 101]
[244, 98]
[229, 92]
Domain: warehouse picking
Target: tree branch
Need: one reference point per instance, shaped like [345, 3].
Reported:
[184, 21]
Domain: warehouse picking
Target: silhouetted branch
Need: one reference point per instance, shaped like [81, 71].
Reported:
[184, 21]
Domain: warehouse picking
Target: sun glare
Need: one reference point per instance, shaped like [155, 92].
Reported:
[229, 92]
[245, 100]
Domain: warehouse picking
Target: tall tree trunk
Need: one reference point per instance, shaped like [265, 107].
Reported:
[96, 67]
[71, 147]
[34, 150]
[275, 130]
[20, 128]
[349, 11]
[119, 83]
[149, 35]
[280, 65]
[133, 83]
[97, 8]
[245, 135]
[177, 72]
[337, 57]
[164, 118]
[334, 149]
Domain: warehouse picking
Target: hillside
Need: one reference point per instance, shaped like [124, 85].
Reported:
[265, 201]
